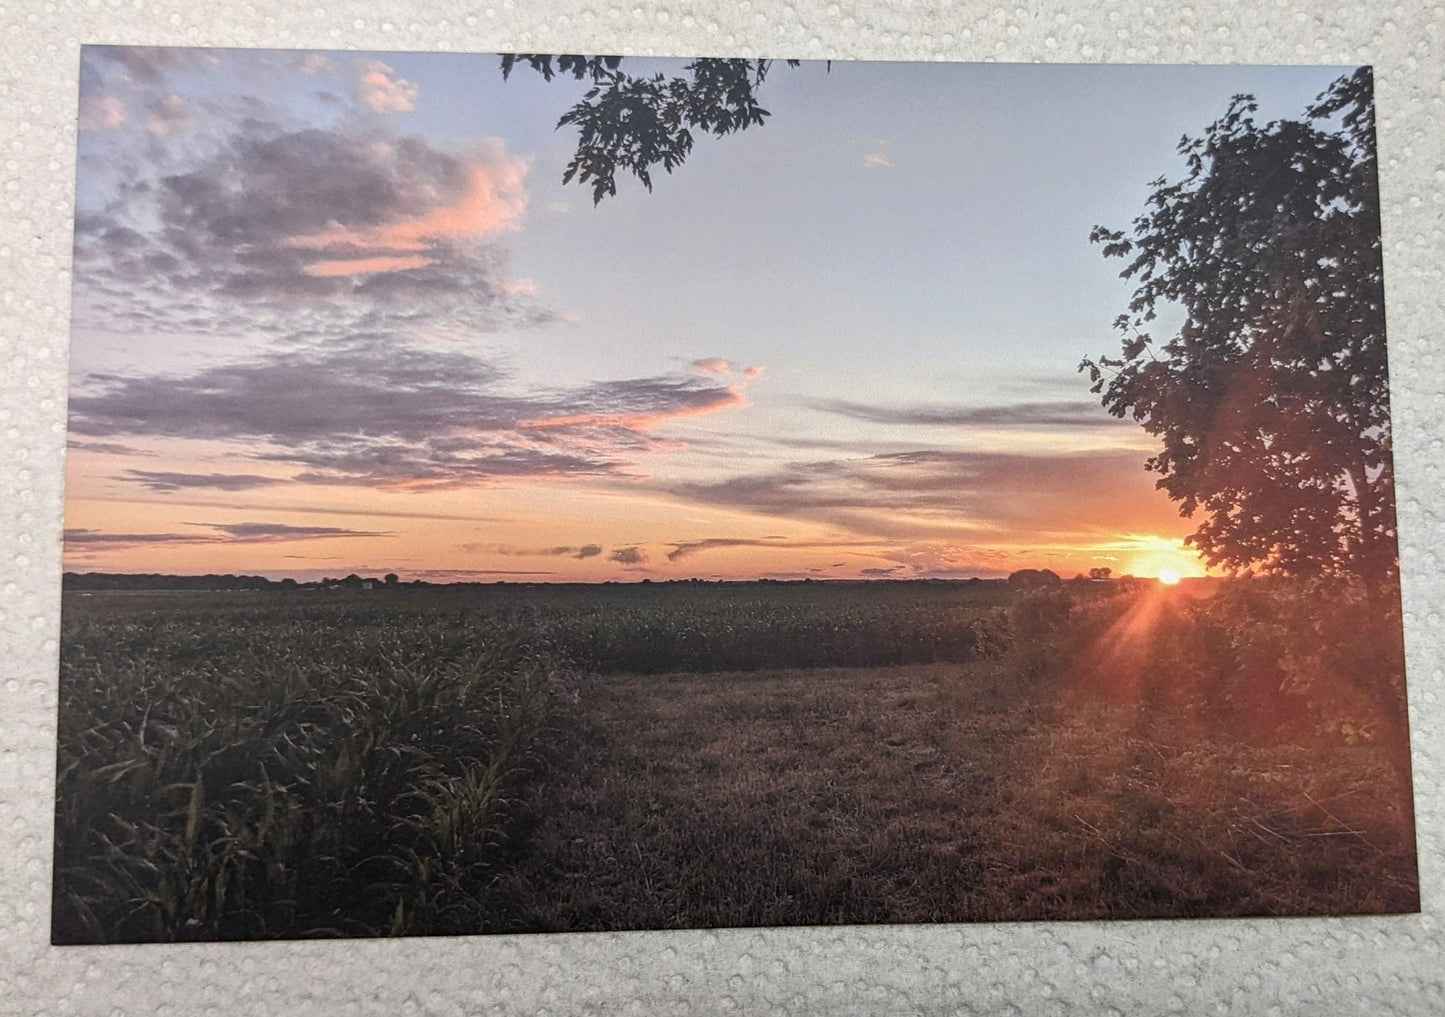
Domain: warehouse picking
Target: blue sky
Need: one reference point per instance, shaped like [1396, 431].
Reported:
[338, 312]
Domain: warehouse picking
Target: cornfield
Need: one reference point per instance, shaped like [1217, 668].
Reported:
[259, 765]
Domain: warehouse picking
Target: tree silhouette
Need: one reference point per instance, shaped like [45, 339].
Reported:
[1271, 399]
[635, 123]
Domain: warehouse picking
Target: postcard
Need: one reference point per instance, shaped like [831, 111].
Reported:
[559, 493]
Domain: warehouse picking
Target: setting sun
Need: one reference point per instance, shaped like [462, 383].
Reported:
[1166, 560]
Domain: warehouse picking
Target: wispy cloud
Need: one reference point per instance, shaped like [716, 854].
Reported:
[373, 412]
[223, 533]
[688, 548]
[955, 494]
[85, 538]
[638, 404]
[691, 547]
[286, 531]
[158, 480]
[114, 448]
[580, 553]
[1070, 414]
[719, 366]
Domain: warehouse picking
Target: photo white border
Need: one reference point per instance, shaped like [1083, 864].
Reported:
[1284, 966]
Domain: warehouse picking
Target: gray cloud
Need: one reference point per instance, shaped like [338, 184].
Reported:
[1039, 414]
[107, 448]
[375, 412]
[158, 480]
[99, 538]
[583, 552]
[685, 549]
[691, 547]
[629, 556]
[266, 532]
[226, 533]
[276, 229]
[909, 494]
[292, 398]
[168, 115]
[149, 64]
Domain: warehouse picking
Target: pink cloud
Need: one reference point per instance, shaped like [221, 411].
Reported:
[169, 116]
[695, 403]
[101, 112]
[877, 160]
[314, 63]
[717, 365]
[643, 421]
[493, 200]
[385, 92]
[366, 266]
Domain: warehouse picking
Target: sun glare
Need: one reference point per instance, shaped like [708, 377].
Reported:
[1163, 559]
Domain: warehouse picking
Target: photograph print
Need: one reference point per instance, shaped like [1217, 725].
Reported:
[562, 493]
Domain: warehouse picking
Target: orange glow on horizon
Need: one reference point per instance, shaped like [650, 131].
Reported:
[1165, 559]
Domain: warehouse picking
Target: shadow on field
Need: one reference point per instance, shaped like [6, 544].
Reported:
[776, 798]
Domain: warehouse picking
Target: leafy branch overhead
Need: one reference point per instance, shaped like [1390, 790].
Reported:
[1270, 400]
[635, 123]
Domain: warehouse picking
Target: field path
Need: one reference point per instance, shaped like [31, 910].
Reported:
[776, 797]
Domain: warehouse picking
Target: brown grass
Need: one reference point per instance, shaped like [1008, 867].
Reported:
[936, 793]
[1121, 819]
[778, 797]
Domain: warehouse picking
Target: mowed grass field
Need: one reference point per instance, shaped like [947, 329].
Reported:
[531, 758]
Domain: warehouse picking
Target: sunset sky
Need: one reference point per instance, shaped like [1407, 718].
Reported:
[337, 312]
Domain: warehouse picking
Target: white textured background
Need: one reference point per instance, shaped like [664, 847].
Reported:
[1391, 966]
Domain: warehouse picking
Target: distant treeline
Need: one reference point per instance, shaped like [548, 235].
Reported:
[89, 581]
[156, 581]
